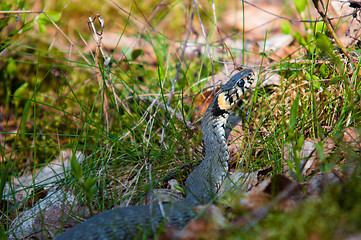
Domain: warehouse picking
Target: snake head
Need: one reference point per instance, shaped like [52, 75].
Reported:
[234, 89]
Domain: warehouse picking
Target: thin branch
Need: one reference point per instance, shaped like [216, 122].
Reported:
[98, 38]
[330, 28]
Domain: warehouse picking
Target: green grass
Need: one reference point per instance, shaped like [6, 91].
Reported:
[53, 102]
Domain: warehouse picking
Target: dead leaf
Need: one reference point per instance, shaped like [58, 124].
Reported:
[211, 213]
[36, 194]
[278, 190]
[278, 184]
[352, 137]
[207, 226]
[257, 198]
[195, 231]
[202, 101]
[286, 191]
[347, 31]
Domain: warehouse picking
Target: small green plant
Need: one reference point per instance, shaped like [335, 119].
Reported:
[296, 141]
[87, 185]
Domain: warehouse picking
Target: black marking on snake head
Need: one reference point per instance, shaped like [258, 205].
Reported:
[217, 111]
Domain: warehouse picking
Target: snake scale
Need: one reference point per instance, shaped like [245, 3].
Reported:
[201, 185]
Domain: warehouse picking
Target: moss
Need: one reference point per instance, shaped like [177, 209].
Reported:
[334, 216]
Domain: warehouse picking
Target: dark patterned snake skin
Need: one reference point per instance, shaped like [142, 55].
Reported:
[201, 185]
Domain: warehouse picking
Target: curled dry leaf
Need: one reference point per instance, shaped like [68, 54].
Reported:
[207, 226]
[255, 199]
[202, 100]
[196, 230]
[278, 190]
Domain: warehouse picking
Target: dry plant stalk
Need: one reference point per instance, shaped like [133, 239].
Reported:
[330, 28]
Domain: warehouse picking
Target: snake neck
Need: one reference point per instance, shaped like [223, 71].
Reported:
[214, 141]
[204, 182]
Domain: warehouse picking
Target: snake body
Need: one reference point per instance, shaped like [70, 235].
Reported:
[201, 185]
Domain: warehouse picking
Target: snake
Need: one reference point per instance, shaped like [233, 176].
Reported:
[200, 188]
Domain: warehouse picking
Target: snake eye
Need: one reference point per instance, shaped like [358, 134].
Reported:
[240, 83]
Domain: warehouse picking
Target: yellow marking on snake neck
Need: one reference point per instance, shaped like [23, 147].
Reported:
[223, 103]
